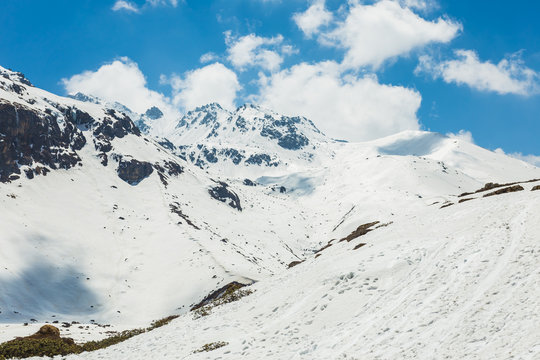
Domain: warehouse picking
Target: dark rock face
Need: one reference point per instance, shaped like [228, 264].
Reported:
[28, 136]
[293, 141]
[223, 194]
[169, 168]
[115, 126]
[167, 144]
[175, 208]
[248, 182]
[153, 113]
[210, 155]
[261, 159]
[134, 171]
[284, 130]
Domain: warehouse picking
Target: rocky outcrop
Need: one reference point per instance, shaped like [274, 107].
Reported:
[35, 139]
[223, 194]
[134, 171]
[167, 169]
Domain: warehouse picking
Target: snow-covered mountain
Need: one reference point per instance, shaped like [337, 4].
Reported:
[250, 137]
[417, 245]
[241, 141]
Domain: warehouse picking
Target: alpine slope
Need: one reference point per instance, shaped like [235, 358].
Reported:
[414, 246]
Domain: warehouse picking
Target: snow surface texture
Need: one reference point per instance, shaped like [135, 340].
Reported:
[460, 281]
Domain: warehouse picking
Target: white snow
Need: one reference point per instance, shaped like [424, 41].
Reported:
[457, 282]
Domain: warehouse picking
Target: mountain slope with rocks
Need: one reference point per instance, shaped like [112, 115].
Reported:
[417, 245]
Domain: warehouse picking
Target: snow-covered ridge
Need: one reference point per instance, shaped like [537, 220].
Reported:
[226, 142]
[248, 137]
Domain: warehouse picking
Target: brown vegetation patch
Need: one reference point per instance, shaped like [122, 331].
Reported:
[224, 295]
[294, 263]
[490, 186]
[48, 342]
[360, 231]
[506, 190]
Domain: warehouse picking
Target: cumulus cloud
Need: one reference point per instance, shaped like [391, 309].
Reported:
[509, 76]
[371, 34]
[125, 5]
[531, 159]
[311, 20]
[212, 83]
[256, 51]
[343, 106]
[121, 81]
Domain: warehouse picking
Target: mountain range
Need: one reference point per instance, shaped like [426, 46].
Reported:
[417, 245]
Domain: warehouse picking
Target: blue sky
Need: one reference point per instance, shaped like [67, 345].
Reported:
[359, 69]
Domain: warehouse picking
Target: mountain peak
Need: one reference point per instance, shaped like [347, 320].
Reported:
[249, 136]
[14, 76]
[153, 113]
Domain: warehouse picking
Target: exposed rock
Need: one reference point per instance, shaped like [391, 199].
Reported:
[28, 137]
[223, 194]
[175, 208]
[218, 294]
[134, 171]
[248, 182]
[166, 144]
[261, 159]
[537, 187]
[169, 168]
[153, 113]
[293, 141]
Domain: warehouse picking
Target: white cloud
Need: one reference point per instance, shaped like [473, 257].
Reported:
[252, 50]
[421, 5]
[531, 159]
[509, 76]
[311, 20]
[208, 57]
[462, 135]
[130, 6]
[120, 81]
[344, 107]
[155, 3]
[125, 5]
[371, 34]
[212, 83]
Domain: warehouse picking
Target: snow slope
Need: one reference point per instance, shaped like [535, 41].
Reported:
[438, 278]
[465, 287]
